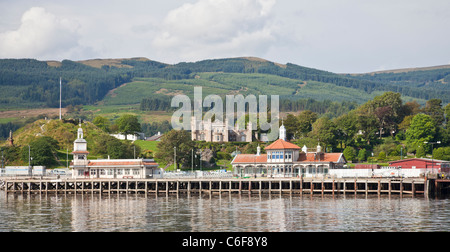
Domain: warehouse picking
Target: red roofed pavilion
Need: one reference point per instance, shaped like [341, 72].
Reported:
[285, 159]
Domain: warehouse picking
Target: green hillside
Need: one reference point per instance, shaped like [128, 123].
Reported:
[28, 83]
[61, 135]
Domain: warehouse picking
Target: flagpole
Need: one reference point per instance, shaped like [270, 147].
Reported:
[60, 87]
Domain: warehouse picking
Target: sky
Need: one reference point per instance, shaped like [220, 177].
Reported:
[341, 36]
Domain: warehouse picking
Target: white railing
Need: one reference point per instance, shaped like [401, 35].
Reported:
[383, 173]
[198, 174]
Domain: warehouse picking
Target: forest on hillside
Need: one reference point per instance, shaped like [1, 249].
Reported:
[27, 83]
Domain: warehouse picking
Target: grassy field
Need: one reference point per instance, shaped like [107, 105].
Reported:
[232, 83]
[147, 145]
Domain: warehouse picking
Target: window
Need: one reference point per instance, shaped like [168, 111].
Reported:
[110, 171]
[119, 171]
[135, 171]
[127, 171]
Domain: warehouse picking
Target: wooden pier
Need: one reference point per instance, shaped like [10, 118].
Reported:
[298, 186]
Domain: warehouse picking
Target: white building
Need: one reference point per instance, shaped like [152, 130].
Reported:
[109, 168]
[131, 137]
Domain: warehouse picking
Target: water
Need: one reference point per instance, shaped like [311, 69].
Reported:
[234, 213]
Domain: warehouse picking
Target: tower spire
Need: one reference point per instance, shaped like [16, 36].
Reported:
[282, 131]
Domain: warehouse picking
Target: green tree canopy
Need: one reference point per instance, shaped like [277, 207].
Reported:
[324, 130]
[180, 139]
[41, 151]
[422, 129]
[128, 124]
[102, 122]
[349, 153]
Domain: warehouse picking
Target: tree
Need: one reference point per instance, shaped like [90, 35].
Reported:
[324, 130]
[385, 116]
[442, 153]
[102, 122]
[422, 129]
[346, 128]
[305, 121]
[387, 109]
[434, 109]
[41, 151]
[362, 155]
[180, 139]
[368, 125]
[349, 153]
[128, 124]
[382, 156]
[115, 148]
[291, 124]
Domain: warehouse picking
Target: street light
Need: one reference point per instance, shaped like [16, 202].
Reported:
[432, 156]
[175, 158]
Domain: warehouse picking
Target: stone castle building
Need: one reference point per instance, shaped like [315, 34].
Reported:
[218, 131]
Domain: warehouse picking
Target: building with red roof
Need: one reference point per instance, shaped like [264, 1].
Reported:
[109, 168]
[422, 163]
[287, 159]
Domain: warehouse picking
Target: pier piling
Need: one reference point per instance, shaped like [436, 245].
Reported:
[258, 186]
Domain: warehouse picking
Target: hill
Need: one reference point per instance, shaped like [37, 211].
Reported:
[61, 135]
[64, 132]
[28, 83]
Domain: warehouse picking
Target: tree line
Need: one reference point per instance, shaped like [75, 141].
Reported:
[32, 82]
[366, 128]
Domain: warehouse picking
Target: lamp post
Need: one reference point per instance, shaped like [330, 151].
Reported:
[432, 156]
[175, 157]
[2, 158]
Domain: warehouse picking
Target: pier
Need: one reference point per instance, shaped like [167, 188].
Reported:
[298, 186]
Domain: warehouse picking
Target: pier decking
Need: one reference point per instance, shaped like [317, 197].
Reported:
[299, 186]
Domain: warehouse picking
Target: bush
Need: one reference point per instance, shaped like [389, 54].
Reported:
[223, 155]
[350, 153]
[362, 155]
[382, 156]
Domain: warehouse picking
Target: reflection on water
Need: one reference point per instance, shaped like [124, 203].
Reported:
[221, 213]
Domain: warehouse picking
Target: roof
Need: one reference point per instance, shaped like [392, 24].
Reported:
[154, 137]
[250, 158]
[323, 157]
[80, 152]
[120, 162]
[309, 157]
[281, 144]
[428, 160]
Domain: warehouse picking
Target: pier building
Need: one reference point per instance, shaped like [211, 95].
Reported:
[109, 168]
[286, 159]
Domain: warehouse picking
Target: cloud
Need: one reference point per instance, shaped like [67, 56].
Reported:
[41, 34]
[217, 27]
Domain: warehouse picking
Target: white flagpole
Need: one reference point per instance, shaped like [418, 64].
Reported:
[60, 87]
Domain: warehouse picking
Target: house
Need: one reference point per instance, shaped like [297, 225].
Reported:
[131, 137]
[422, 163]
[286, 159]
[109, 168]
[156, 137]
